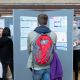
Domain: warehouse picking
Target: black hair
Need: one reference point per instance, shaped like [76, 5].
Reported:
[42, 19]
[6, 32]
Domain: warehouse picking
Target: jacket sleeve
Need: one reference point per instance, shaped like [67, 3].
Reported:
[55, 41]
[10, 43]
[28, 45]
[3, 41]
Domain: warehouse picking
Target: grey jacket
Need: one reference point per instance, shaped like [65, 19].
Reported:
[31, 37]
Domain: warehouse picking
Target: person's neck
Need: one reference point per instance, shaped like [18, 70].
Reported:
[42, 25]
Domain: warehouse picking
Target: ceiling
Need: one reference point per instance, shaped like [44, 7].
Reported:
[8, 9]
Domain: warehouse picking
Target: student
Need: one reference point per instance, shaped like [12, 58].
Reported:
[40, 72]
[6, 51]
[76, 48]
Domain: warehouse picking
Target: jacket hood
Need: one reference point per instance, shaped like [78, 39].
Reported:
[42, 29]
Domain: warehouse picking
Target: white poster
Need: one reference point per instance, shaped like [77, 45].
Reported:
[27, 24]
[2, 23]
[23, 44]
[58, 24]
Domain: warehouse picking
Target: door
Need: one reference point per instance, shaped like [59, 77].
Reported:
[60, 21]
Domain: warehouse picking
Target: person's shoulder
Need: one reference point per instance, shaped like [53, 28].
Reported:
[53, 33]
[9, 39]
[5, 40]
[32, 33]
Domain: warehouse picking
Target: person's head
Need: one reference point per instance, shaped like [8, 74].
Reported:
[6, 32]
[42, 19]
[75, 25]
[1, 31]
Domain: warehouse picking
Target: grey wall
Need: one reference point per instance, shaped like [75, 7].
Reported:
[40, 1]
[8, 21]
[20, 57]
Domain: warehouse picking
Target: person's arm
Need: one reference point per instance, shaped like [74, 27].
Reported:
[55, 41]
[79, 42]
[76, 42]
[29, 48]
[10, 47]
[28, 45]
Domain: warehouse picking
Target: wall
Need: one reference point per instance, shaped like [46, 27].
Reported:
[20, 57]
[40, 1]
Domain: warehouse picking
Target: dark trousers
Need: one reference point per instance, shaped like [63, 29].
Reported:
[76, 59]
[5, 68]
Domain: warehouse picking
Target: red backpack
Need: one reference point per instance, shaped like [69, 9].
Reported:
[42, 50]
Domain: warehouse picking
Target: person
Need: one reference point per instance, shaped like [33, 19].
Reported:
[1, 30]
[6, 51]
[76, 48]
[1, 69]
[39, 72]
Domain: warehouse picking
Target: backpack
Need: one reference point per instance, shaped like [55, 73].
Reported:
[42, 50]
